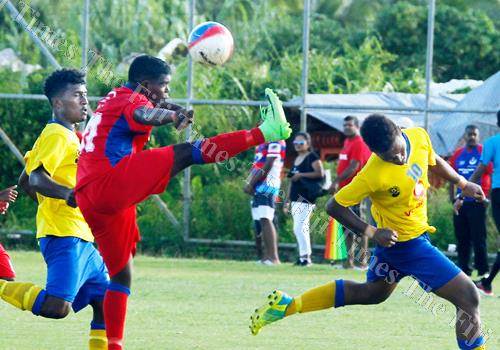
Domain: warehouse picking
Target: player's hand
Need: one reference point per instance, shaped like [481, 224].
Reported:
[473, 190]
[385, 237]
[457, 205]
[70, 199]
[184, 119]
[9, 194]
[296, 177]
[248, 189]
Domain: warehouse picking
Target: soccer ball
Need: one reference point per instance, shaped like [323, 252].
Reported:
[211, 43]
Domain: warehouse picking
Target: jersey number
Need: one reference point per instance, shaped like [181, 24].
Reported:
[87, 144]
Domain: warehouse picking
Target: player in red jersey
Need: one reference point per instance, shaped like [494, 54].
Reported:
[115, 173]
[7, 196]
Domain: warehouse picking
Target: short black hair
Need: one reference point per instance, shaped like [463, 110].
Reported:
[59, 81]
[146, 67]
[352, 118]
[471, 127]
[379, 133]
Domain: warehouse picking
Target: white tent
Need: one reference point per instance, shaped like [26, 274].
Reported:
[447, 132]
[446, 129]
[334, 118]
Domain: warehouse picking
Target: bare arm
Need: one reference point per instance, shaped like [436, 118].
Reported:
[164, 113]
[23, 182]
[41, 182]
[478, 173]
[384, 237]
[444, 170]
[259, 174]
[349, 171]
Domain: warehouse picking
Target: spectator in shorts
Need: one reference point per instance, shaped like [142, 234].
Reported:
[264, 186]
[306, 170]
[470, 220]
[352, 158]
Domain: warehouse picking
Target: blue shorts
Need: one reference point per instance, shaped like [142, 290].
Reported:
[75, 270]
[417, 258]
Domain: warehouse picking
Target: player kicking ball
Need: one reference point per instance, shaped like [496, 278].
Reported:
[76, 274]
[395, 178]
[115, 173]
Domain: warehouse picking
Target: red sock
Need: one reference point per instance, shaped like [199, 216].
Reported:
[222, 147]
[115, 310]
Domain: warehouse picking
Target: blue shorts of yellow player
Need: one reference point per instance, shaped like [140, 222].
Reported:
[417, 258]
[75, 270]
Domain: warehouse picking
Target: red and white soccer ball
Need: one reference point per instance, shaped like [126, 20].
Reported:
[211, 43]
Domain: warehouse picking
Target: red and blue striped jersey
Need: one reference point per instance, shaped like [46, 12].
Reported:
[272, 182]
[112, 133]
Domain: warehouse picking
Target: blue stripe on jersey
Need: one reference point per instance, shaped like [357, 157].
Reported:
[119, 142]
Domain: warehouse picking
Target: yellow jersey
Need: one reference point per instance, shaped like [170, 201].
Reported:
[398, 192]
[56, 149]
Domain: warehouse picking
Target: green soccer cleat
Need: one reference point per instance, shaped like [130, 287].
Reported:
[274, 310]
[275, 127]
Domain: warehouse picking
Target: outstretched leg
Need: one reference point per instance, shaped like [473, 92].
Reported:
[334, 294]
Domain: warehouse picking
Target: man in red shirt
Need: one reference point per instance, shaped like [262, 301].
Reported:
[352, 158]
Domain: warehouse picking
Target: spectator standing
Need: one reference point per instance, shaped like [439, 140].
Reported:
[306, 177]
[264, 185]
[470, 220]
[491, 154]
[352, 158]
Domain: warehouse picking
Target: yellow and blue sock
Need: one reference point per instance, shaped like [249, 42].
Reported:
[319, 298]
[475, 344]
[23, 295]
[97, 337]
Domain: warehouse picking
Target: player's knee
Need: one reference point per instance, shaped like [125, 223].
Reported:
[378, 298]
[57, 310]
[469, 301]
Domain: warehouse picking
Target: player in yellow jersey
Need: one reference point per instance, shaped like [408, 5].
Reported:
[76, 274]
[395, 178]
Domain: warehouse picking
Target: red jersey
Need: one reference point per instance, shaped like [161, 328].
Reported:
[354, 149]
[112, 133]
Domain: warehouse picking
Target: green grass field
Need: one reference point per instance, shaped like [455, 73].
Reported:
[205, 304]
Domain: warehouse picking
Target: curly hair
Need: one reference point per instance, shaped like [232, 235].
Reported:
[60, 79]
[379, 133]
[147, 67]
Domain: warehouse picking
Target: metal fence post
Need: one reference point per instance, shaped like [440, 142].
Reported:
[305, 62]
[428, 62]
[187, 171]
